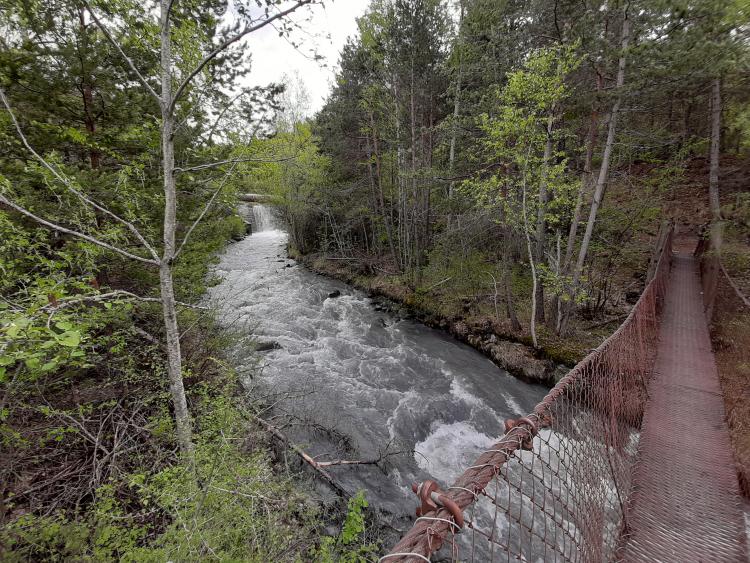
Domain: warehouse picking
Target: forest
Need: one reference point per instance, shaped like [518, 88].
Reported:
[503, 170]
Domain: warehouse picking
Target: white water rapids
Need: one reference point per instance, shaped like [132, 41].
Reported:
[372, 377]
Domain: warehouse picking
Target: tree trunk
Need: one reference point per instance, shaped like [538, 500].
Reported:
[87, 92]
[529, 250]
[381, 197]
[586, 178]
[183, 426]
[508, 286]
[606, 159]
[586, 181]
[540, 217]
[713, 176]
[456, 105]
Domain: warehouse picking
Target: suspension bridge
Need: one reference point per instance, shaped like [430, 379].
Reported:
[627, 458]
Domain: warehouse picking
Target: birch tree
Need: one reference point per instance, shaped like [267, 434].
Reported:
[536, 188]
[185, 68]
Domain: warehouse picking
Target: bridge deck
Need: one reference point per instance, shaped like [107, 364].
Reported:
[685, 504]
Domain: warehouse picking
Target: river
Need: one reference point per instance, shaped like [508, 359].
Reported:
[359, 380]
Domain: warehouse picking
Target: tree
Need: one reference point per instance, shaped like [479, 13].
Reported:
[183, 66]
[520, 137]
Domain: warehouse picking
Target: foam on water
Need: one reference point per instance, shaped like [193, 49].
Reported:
[366, 374]
[450, 449]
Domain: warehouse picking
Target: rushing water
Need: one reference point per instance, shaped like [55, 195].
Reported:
[373, 378]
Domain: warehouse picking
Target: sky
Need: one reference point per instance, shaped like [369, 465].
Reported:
[326, 32]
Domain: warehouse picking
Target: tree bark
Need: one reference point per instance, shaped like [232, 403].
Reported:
[586, 178]
[381, 196]
[456, 105]
[530, 251]
[183, 425]
[87, 91]
[606, 159]
[713, 175]
[540, 217]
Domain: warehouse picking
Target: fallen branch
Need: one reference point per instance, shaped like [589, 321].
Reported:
[433, 286]
[327, 477]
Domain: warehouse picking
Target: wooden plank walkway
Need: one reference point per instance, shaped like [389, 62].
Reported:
[685, 504]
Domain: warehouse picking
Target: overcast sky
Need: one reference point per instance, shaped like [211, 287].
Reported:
[330, 25]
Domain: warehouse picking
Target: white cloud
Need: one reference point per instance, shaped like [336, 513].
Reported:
[325, 32]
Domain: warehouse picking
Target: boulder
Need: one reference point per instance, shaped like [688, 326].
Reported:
[519, 360]
[267, 346]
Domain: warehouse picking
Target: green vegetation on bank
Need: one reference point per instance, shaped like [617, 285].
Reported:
[506, 164]
[124, 139]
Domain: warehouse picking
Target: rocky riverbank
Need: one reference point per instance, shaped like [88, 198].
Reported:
[511, 354]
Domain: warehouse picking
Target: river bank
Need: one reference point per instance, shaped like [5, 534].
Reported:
[512, 352]
[351, 380]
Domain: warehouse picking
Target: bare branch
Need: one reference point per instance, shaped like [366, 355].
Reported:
[66, 182]
[205, 210]
[65, 302]
[116, 294]
[327, 477]
[213, 54]
[210, 165]
[114, 43]
[4, 200]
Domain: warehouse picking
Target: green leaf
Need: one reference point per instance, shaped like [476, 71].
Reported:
[72, 338]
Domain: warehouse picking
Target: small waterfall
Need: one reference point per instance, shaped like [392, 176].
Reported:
[263, 219]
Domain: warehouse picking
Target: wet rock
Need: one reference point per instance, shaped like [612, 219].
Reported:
[560, 372]
[267, 346]
[333, 294]
[519, 360]
[288, 265]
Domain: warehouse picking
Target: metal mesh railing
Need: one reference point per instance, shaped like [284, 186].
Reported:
[730, 333]
[555, 486]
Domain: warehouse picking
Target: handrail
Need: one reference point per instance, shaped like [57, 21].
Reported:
[625, 359]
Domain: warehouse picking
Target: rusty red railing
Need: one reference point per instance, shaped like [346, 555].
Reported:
[555, 486]
[728, 312]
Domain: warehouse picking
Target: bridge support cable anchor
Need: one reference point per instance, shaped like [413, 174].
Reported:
[434, 499]
[531, 427]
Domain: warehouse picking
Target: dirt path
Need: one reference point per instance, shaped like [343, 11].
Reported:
[686, 503]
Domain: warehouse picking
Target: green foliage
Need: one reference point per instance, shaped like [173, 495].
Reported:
[232, 508]
[517, 136]
[297, 178]
[350, 546]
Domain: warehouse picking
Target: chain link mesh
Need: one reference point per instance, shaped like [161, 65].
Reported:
[555, 487]
[730, 333]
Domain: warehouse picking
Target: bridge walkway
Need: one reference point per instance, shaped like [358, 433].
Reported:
[685, 504]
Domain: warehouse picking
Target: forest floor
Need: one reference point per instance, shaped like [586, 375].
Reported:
[89, 467]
